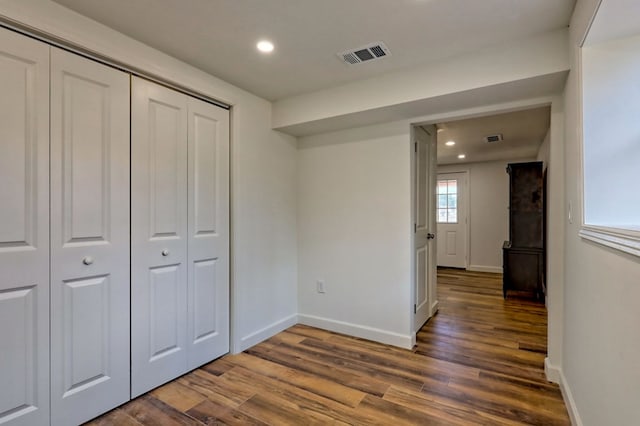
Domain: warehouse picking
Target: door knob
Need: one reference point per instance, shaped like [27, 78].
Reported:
[88, 260]
[431, 236]
[165, 252]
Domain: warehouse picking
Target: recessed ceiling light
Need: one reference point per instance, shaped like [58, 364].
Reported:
[450, 143]
[461, 156]
[265, 46]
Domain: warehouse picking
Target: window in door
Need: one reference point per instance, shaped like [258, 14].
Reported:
[448, 201]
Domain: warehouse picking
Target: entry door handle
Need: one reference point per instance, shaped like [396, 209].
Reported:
[431, 236]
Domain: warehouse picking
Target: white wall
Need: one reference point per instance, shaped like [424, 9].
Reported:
[263, 164]
[488, 211]
[354, 229]
[555, 240]
[601, 375]
[544, 152]
[611, 95]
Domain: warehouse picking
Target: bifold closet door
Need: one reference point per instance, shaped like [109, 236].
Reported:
[24, 230]
[159, 235]
[180, 234]
[89, 238]
[208, 248]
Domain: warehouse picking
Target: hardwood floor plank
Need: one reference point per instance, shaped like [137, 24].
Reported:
[306, 331]
[211, 413]
[303, 380]
[218, 367]
[213, 388]
[453, 415]
[395, 377]
[390, 413]
[179, 396]
[401, 356]
[288, 337]
[303, 399]
[115, 417]
[289, 356]
[276, 411]
[150, 411]
[478, 361]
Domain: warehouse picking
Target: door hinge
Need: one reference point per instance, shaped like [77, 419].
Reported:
[415, 309]
[415, 146]
[415, 228]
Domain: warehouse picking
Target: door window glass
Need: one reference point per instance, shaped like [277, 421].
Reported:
[448, 201]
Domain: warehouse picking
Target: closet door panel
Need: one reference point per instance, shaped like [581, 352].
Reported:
[208, 254]
[24, 230]
[159, 235]
[89, 238]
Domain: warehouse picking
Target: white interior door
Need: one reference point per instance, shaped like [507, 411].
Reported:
[159, 235]
[89, 238]
[24, 230]
[431, 195]
[208, 225]
[452, 219]
[424, 274]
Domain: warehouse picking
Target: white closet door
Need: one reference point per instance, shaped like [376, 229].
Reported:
[24, 230]
[89, 238]
[159, 235]
[208, 250]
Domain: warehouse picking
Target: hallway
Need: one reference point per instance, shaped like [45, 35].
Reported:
[478, 361]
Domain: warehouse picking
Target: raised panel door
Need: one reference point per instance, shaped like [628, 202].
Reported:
[208, 227]
[24, 230]
[422, 203]
[159, 235]
[89, 238]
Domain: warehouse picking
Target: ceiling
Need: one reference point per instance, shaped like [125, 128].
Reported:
[523, 133]
[614, 19]
[219, 36]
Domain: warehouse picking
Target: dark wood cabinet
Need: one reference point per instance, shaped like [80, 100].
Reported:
[523, 256]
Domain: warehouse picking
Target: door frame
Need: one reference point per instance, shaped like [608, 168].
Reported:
[556, 126]
[466, 196]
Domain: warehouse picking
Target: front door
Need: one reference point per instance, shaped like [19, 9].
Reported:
[452, 220]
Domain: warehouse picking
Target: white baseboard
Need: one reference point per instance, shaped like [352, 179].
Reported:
[481, 268]
[569, 402]
[551, 371]
[434, 307]
[554, 374]
[364, 332]
[266, 332]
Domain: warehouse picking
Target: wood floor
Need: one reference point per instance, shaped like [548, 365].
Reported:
[478, 361]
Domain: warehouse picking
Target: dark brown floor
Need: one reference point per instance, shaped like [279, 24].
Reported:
[479, 361]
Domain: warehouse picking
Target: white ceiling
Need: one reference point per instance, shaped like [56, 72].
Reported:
[614, 19]
[523, 133]
[219, 36]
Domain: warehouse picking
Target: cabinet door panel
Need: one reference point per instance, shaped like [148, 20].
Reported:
[24, 230]
[89, 238]
[208, 323]
[159, 235]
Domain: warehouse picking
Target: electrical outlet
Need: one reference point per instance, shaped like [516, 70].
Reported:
[320, 286]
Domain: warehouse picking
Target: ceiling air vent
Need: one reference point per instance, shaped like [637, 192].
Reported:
[366, 53]
[493, 138]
